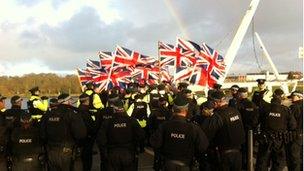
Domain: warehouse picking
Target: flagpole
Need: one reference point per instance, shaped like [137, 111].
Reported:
[79, 80]
[110, 73]
[159, 66]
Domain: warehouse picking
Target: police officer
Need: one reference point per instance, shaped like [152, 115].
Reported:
[12, 115]
[193, 108]
[276, 122]
[233, 102]
[91, 125]
[37, 106]
[177, 140]
[262, 95]
[25, 145]
[118, 138]
[61, 130]
[250, 117]
[295, 148]
[207, 161]
[226, 123]
[140, 110]
[162, 91]
[95, 101]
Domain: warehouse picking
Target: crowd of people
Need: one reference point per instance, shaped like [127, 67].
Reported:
[185, 130]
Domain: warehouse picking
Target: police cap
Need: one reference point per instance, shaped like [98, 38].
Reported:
[63, 97]
[118, 105]
[182, 85]
[296, 93]
[90, 85]
[16, 99]
[278, 92]
[161, 87]
[260, 81]
[2, 97]
[186, 91]
[53, 102]
[217, 86]
[235, 87]
[208, 105]
[218, 95]
[180, 102]
[113, 97]
[242, 90]
[34, 89]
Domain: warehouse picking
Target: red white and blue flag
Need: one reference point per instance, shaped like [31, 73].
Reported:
[106, 59]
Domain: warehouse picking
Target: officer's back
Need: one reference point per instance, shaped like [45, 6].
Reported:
[118, 138]
[177, 139]
[12, 115]
[61, 129]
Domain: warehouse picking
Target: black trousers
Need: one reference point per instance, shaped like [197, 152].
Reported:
[87, 154]
[26, 164]
[63, 161]
[231, 160]
[274, 152]
[121, 160]
[294, 155]
[172, 165]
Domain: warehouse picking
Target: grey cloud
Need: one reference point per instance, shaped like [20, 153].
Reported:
[146, 22]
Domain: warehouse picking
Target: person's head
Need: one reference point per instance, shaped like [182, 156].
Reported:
[112, 98]
[16, 101]
[64, 98]
[162, 102]
[207, 108]
[90, 86]
[35, 91]
[217, 86]
[296, 96]
[234, 89]
[261, 84]
[182, 86]
[161, 89]
[242, 93]
[84, 99]
[53, 103]
[278, 93]
[25, 120]
[118, 106]
[219, 99]
[180, 106]
[187, 93]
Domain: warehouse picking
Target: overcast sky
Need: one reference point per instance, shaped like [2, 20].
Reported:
[59, 35]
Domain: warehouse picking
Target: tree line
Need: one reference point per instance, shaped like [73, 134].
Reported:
[49, 84]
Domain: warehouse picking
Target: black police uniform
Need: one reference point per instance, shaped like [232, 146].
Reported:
[276, 122]
[61, 129]
[118, 138]
[12, 116]
[91, 124]
[295, 148]
[26, 147]
[227, 127]
[178, 140]
[250, 117]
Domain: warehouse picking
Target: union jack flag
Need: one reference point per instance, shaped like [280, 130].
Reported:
[175, 55]
[119, 77]
[150, 74]
[84, 77]
[211, 65]
[94, 66]
[106, 59]
[182, 73]
[126, 57]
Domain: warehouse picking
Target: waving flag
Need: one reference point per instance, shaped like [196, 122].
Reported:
[119, 77]
[210, 65]
[106, 59]
[84, 77]
[150, 74]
